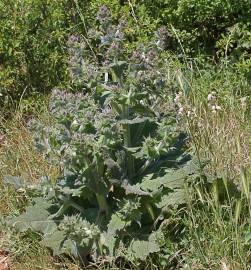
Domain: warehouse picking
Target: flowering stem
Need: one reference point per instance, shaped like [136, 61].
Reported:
[128, 143]
[126, 130]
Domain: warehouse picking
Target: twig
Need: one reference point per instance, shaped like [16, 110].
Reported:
[132, 9]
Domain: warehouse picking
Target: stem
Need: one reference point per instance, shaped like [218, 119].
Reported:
[99, 246]
[128, 143]
[144, 167]
[138, 134]
[103, 206]
[126, 130]
[61, 210]
[150, 211]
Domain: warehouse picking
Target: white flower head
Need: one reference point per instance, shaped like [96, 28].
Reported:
[181, 110]
[178, 97]
[209, 97]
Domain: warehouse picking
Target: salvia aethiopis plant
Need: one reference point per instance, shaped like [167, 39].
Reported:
[121, 158]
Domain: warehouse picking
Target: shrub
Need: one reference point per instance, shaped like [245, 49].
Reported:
[34, 35]
[199, 24]
[33, 49]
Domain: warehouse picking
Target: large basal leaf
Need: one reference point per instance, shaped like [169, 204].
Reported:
[116, 224]
[58, 243]
[110, 239]
[141, 248]
[111, 242]
[35, 218]
[176, 197]
[133, 189]
[171, 179]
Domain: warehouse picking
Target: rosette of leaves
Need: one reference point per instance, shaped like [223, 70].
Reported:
[122, 160]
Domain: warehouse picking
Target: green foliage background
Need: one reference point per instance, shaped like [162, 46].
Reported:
[33, 35]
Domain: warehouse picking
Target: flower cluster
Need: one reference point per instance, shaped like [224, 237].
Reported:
[79, 229]
[81, 68]
[146, 68]
[76, 61]
[183, 108]
[163, 38]
[212, 102]
[104, 15]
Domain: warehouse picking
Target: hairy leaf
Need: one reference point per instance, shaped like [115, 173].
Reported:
[176, 197]
[141, 248]
[16, 181]
[35, 218]
[58, 243]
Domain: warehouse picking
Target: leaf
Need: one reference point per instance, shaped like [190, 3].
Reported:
[110, 241]
[136, 190]
[118, 68]
[16, 181]
[35, 218]
[116, 224]
[172, 178]
[173, 198]
[58, 243]
[134, 121]
[132, 150]
[109, 238]
[140, 249]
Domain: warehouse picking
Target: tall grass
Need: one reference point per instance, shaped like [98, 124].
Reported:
[219, 212]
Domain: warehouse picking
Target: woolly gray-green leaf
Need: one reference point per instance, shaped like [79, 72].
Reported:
[133, 189]
[171, 179]
[58, 243]
[176, 197]
[141, 248]
[15, 181]
[110, 241]
[35, 218]
[135, 121]
[116, 224]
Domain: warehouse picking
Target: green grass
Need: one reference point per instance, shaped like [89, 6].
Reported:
[216, 233]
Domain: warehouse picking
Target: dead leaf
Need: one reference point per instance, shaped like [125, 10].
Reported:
[4, 260]
[4, 265]
[2, 138]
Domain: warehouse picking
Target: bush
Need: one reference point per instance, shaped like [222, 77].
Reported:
[33, 56]
[199, 24]
[33, 49]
